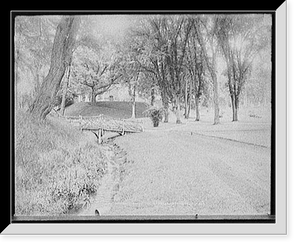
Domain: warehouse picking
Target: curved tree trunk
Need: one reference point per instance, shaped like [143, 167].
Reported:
[65, 89]
[60, 58]
[63, 98]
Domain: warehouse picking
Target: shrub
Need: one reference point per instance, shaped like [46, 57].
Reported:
[55, 174]
[155, 114]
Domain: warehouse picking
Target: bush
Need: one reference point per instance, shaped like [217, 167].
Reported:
[155, 114]
[55, 174]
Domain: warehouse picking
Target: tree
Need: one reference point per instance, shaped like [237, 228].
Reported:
[195, 66]
[65, 89]
[33, 42]
[85, 40]
[95, 69]
[61, 55]
[206, 36]
[241, 38]
[140, 63]
[148, 42]
[132, 85]
[131, 75]
[178, 34]
[161, 51]
[166, 48]
[91, 76]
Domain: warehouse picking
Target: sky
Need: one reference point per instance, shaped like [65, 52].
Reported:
[112, 25]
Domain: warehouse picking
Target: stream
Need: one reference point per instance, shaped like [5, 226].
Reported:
[110, 182]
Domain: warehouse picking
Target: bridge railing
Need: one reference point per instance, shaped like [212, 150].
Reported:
[106, 123]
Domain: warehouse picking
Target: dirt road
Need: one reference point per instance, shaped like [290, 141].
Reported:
[173, 172]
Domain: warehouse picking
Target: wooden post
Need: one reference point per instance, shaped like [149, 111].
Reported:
[99, 137]
[100, 134]
[80, 122]
[123, 131]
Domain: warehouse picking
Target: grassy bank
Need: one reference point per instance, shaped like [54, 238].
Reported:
[115, 109]
[57, 168]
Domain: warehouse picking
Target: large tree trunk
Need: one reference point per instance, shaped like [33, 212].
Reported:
[166, 113]
[177, 104]
[165, 102]
[234, 104]
[60, 57]
[63, 98]
[197, 108]
[64, 94]
[189, 109]
[94, 95]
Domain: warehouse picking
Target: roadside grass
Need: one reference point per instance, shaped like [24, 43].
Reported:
[57, 169]
[115, 109]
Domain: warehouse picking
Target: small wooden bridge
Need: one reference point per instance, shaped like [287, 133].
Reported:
[101, 124]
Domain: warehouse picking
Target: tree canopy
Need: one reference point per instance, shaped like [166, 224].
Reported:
[183, 60]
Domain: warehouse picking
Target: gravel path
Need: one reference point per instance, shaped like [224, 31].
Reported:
[171, 172]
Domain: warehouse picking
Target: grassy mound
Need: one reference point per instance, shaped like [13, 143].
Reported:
[57, 169]
[113, 109]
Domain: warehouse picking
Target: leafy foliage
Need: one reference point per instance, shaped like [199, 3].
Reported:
[94, 69]
[155, 114]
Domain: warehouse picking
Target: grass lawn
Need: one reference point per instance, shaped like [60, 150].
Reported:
[113, 109]
[57, 168]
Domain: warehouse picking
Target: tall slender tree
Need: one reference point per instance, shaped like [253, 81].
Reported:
[206, 36]
[241, 38]
[196, 69]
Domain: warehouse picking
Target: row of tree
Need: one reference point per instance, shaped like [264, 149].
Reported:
[180, 54]
[176, 56]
